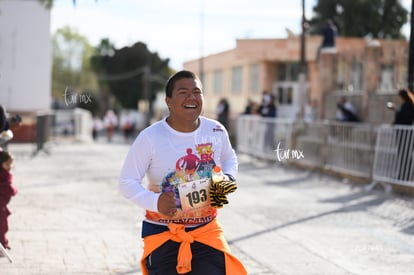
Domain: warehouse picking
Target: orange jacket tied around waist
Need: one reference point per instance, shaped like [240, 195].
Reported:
[210, 234]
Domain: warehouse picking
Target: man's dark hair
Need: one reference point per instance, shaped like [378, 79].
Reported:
[169, 87]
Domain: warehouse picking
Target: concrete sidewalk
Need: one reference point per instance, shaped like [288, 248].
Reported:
[68, 218]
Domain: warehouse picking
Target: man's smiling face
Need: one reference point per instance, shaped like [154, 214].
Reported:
[186, 101]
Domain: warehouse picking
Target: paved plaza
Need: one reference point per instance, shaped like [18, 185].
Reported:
[69, 218]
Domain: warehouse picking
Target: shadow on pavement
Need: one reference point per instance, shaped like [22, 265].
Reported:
[346, 198]
[285, 182]
[354, 207]
[408, 230]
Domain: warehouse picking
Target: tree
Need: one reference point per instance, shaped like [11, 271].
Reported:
[71, 68]
[361, 18]
[131, 73]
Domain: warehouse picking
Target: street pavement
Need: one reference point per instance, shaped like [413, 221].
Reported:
[69, 218]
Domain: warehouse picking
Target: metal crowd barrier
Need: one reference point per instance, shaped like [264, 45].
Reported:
[393, 161]
[43, 131]
[341, 147]
[350, 148]
[380, 154]
[260, 137]
[311, 138]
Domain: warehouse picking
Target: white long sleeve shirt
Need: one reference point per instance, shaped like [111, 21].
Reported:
[178, 162]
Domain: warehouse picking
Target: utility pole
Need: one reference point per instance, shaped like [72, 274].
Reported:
[201, 60]
[302, 65]
[146, 88]
[410, 79]
[302, 41]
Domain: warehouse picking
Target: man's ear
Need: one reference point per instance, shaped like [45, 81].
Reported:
[168, 101]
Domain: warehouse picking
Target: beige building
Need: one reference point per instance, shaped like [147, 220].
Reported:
[365, 70]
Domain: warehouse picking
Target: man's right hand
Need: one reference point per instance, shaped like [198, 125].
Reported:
[166, 204]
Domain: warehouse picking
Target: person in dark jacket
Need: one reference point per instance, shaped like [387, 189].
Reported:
[223, 112]
[268, 105]
[3, 119]
[268, 110]
[405, 114]
[404, 137]
[7, 124]
[346, 112]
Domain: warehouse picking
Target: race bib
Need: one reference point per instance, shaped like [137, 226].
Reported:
[194, 194]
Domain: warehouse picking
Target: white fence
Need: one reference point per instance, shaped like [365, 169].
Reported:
[259, 137]
[394, 155]
[341, 147]
[350, 148]
[381, 155]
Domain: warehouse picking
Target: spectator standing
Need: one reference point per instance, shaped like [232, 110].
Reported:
[329, 32]
[6, 126]
[223, 111]
[7, 190]
[248, 110]
[3, 119]
[127, 125]
[97, 126]
[268, 106]
[346, 112]
[268, 110]
[404, 137]
[405, 114]
[110, 123]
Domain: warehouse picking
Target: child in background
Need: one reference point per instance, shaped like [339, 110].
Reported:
[7, 190]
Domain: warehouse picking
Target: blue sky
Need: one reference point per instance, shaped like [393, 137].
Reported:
[182, 29]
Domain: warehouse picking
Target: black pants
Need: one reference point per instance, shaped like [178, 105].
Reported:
[206, 260]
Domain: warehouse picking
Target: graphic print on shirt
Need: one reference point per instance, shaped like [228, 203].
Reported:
[190, 183]
[188, 164]
[207, 161]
